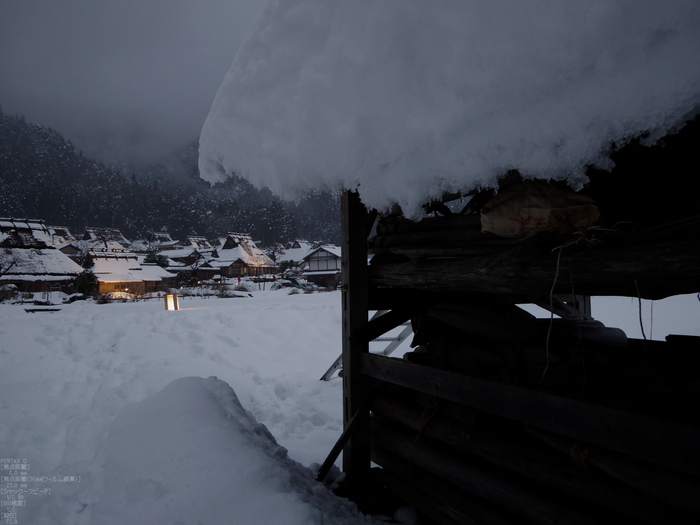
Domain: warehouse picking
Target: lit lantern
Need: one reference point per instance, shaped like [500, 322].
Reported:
[172, 301]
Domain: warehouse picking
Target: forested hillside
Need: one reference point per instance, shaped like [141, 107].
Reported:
[43, 176]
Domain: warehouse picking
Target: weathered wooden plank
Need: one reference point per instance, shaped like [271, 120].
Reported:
[382, 324]
[419, 420]
[668, 444]
[651, 271]
[567, 307]
[389, 298]
[418, 499]
[356, 453]
[558, 473]
[522, 500]
[666, 485]
[435, 238]
[396, 342]
[339, 445]
[439, 500]
[337, 365]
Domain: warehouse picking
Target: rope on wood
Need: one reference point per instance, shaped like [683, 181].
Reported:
[587, 237]
[551, 315]
[639, 298]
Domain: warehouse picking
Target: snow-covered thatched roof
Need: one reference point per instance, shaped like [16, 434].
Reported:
[60, 235]
[241, 247]
[297, 251]
[113, 267]
[407, 99]
[105, 237]
[36, 264]
[24, 233]
[153, 272]
[113, 262]
[199, 242]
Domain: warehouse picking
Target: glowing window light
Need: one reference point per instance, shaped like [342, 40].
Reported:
[172, 302]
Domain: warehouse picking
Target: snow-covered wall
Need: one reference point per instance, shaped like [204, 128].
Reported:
[405, 99]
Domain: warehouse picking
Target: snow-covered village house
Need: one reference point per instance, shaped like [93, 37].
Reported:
[64, 241]
[30, 262]
[323, 266]
[296, 251]
[162, 241]
[192, 259]
[60, 235]
[291, 257]
[240, 256]
[155, 278]
[198, 242]
[116, 271]
[104, 238]
[121, 271]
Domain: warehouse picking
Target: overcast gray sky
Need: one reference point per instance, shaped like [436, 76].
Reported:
[123, 79]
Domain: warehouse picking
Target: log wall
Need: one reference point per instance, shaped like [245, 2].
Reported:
[497, 417]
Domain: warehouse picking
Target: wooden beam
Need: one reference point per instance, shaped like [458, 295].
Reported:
[441, 501]
[664, 443]
[515, 455]
[396, 342]
[367, 333]
[660, 483]
[356, 452]
[576, 308]
[520, 498]
[649, 271]
[382, 324]
[390, 298]
[339, 445]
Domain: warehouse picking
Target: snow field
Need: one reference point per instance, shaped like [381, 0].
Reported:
[123, 395]
[72, 391]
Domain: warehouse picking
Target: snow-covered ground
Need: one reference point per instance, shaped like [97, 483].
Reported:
[122, 396]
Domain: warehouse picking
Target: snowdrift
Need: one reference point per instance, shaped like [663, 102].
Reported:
[192, 454]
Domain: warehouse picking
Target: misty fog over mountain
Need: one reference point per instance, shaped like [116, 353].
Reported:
[43, 175]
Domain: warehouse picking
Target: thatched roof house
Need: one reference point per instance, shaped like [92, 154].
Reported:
[239, 255]
[29, 260]
[566, 134]
[104, 239]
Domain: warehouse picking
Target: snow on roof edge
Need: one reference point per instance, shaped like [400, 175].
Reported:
[443, 96]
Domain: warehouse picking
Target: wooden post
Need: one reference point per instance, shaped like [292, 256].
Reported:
[356, 454]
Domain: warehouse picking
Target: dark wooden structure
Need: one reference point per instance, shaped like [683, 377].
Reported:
[498, 417]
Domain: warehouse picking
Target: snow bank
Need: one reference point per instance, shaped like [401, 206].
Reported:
[192, 454]
[405, 99]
